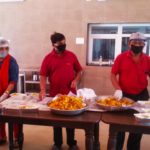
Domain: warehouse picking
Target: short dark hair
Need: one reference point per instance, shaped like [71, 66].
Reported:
[56, 37]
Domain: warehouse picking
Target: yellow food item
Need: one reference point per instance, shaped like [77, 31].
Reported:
[35, 94]
[25, 107]
[65, 102]
[112, 101]
[14, 94]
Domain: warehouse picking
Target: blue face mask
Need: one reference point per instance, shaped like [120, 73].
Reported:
[3, 53]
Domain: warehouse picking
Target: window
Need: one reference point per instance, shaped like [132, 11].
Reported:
[106, 41]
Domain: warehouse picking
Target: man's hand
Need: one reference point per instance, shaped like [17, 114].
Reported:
[74, 84]
[118, 94]
[42, 95]
[3, 97]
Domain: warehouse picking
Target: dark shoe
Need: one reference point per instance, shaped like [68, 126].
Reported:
[3, 141]
[55, 147]
[74, 147]
[15, 144]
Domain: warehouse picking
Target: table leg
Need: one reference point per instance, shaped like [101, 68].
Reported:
[96, 137]
[10, 131]
[112, 138]
[89, 139]
[20, 137]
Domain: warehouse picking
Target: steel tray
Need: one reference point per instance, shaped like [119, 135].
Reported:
[68, 112]
[113, 108]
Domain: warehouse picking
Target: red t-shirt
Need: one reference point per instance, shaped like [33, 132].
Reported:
[132, 76]
[61, 71]
[4, 74]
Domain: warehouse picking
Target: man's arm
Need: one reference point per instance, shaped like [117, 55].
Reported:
[115, 82]
[10, 87]
[42, 87]
[76, 79]
[7, 92]
[118, 93]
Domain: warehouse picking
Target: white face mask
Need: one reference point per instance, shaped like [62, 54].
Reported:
[3, 53]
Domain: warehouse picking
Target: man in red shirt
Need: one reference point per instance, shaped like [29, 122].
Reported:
[132, 68]
[63, 71]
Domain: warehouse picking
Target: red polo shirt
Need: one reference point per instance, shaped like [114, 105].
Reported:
[132, 76]
[61, 71]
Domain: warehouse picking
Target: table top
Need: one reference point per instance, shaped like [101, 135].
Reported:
[41, 116]
[125, 118]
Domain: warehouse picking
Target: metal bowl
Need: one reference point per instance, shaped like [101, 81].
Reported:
[113, 108]
[68, 112]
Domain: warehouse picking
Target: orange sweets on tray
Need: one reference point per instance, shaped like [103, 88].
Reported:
[65, 102]
[112, 101]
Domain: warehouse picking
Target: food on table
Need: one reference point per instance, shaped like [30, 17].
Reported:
[18, 95]
[35, 94]
[14, 94]
[65, 102]
[112, 101]
[26, 107]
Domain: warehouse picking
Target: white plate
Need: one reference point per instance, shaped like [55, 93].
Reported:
[28, 108]
[142, 115]
[17, 94]
[22, 107]
[144, 102]
[145, 110]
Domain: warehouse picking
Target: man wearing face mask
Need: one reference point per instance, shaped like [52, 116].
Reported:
[132, 68]
[63, 71]
[8, 79]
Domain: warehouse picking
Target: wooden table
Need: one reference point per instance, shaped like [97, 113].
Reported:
[123, 121]
[89, 121]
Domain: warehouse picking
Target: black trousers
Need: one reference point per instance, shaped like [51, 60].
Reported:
[58, 136]
[134, 139]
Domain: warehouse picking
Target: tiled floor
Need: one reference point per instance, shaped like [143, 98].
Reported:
[41, 138]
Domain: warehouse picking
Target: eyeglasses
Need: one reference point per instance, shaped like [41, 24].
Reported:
[4, 48]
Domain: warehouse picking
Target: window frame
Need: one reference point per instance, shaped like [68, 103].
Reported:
[118, 38]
